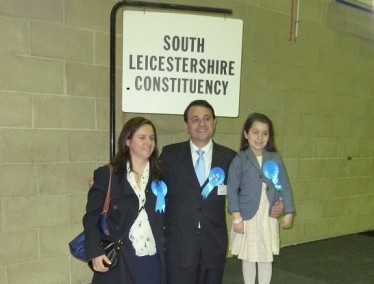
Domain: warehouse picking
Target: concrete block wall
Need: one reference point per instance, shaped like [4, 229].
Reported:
[54, 119]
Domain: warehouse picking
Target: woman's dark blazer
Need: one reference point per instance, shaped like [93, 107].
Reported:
[123, 211]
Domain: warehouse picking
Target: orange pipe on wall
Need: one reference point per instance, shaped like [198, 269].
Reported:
[291, 24]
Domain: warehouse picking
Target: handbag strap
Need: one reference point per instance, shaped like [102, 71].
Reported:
[107, 198]
[107, 202]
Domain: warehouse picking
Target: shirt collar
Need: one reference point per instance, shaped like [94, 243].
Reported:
[207, 149]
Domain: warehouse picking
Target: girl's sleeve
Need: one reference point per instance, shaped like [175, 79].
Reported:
[286, 188]
[233, 184]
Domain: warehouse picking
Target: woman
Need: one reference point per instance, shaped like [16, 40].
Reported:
[132, 211]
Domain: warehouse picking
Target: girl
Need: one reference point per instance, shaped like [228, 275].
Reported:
[256, 179]
[133, 213]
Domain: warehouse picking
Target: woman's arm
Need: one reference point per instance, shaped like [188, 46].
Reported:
[94, 207]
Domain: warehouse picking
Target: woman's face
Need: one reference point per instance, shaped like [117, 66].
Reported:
[142, 143]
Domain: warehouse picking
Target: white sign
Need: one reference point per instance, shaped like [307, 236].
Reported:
[172, 59]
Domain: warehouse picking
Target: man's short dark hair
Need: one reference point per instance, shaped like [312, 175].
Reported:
[202, 103]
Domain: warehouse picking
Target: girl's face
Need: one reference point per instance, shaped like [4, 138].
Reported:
[257, 137]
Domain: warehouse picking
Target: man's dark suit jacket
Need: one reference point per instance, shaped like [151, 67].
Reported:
[185, 208]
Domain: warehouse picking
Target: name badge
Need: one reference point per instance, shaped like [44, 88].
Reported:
[222, 189]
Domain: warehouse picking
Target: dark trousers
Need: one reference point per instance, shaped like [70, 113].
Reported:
[197, 273]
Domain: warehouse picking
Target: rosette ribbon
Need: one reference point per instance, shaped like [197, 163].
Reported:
[159, 189]
[271, 171]
[216, 177]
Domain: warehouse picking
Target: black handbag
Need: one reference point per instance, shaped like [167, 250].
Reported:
[111, 249]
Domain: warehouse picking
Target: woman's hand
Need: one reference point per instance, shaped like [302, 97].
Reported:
[286, 221]
[98, 263]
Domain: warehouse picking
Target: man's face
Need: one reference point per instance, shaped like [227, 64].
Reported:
[200, 125]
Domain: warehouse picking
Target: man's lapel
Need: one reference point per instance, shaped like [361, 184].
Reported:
[217, 157]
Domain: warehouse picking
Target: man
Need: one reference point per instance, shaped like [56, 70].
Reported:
[196, 232]
[195, 229]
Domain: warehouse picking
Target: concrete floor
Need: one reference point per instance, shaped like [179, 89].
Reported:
[347, 259]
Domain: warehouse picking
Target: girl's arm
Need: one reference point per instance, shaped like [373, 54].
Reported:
[286, 188]
[286, 193]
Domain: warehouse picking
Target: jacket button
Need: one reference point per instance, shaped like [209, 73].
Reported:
[114, 207]
[199, 209]
[260, 176]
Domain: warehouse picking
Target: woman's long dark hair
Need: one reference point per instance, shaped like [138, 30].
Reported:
[270, 146]
[123, 155]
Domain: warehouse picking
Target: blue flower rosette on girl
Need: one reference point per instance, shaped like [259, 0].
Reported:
[271, 171]
[216, 177]
[159, 189]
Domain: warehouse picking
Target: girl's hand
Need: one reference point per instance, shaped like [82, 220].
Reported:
[286, 221]
[98, 263]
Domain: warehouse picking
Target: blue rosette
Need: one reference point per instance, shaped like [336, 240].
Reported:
[271, 171]
[216, 177]
[159, 189]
